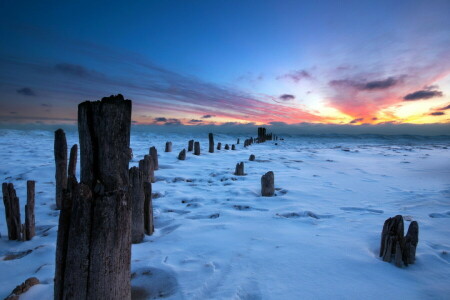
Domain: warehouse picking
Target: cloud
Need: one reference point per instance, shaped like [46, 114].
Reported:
[76, 70]
[208, 116]
[46, 105]
[160, 119]
[437, 113]
[166, 121]
[356, 120]
[445, 107]
[295, 76]
[195, 121]
[26, 91]
[423, 95]
[365, 85]
[287, 97]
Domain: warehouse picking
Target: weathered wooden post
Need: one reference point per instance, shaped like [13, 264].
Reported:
[147, 168]
[237, 142]
[148, 209]
[12, 211]
[219, 146]
[182, 155]
[137, 200]
[252, 157]
[60, 151]
[191, 145]
[233, 147]
[73, 161]
[168, 147]
[93, 253]
[197, 148]
[154, 154]
[239, 171]
[411, 241]
[227, 147]
[268, 184]
[211, 142]
[29, 231]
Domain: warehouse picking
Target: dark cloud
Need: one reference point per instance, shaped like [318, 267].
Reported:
[356, 120]
[76, 70]
[13, 112]
[287, 97]
[445, 107]
[423, 95]
[160, 119]
[173, 122]
[295, 76]
[46, 105]
[208, 116]
[26, 91]
[365, 86]
[195, 121]
[437, 113]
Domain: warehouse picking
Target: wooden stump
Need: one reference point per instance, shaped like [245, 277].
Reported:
[191, 145]
[227, 147]
[395, 246]
[60, 152]
[73, 161]
[137, 200]
[12, 212]
[197, 148]
[219, 146]
[154, 154]
[94, 249]
[411, 241]
[29, 231]
[233, 147]
[182, 155]
[211, 143]
[147, 168]
[268, 184]
[252, 157]
[237, 142]
[148, 209]
[239, 169]
[168, 147]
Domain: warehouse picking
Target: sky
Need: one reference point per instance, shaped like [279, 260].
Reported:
[228, 62]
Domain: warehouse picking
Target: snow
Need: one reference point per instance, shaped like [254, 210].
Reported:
[217, 238]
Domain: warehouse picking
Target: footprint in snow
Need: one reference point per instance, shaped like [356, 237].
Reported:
[360, 209]
[440, 215]
[152, 283]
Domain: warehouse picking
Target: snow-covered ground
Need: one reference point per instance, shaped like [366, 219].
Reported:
[217, 238]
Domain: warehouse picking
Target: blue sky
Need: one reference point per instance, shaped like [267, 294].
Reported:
[237, 61]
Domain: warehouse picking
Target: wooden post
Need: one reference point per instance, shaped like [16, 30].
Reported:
[60, 152]
[392, 240]
[411, 241]
[219, 146]
[191, 145]
[154, 154]
[239, 169]
[137, 200]
[238, 141]
[12, 211]
[182, 155]
[252, 157]
[197, 148]
[233, 147]
[73, 161]
[94, 250]
[148, 209]
[168, 147]
[29, 211]
[211, 143]
[268, 184]
[227, 147]
[147, 168]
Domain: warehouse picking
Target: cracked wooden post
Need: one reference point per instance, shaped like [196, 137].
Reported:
[154, 154]
[12, 212]
[411, 241]
[239, 171]
[197, 148]
[147, 168]
[93, 253]
[191, 145]
[60, 152]
[211, 142]
[233, 147]
[182, 155]
[29, 231]
[268, 184]
[227, 147]
[168, 147]
[137, 200]
[148, 209]
[73, 161]
[252, 157]
[219, 146]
